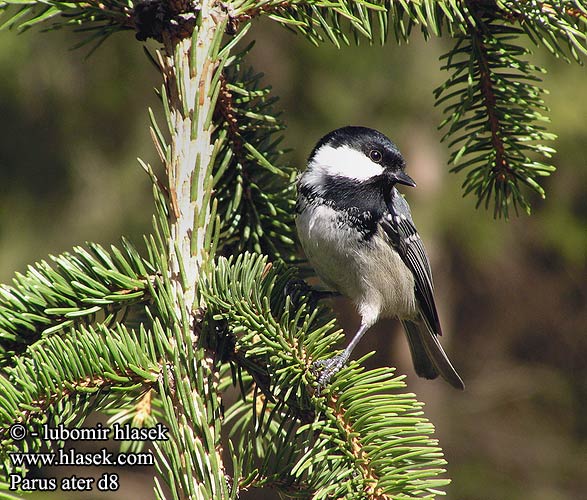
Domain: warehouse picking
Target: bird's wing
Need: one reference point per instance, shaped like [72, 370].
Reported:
[403, 235]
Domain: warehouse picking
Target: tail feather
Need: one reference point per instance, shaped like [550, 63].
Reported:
[422, 364]
[428, 356]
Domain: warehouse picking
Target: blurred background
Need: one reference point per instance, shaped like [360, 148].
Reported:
[512, 295]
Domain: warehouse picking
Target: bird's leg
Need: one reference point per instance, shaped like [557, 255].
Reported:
[327, 368]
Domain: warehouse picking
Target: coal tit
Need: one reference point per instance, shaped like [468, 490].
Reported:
[357, 232]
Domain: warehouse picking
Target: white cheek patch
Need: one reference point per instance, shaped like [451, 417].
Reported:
[345, 162]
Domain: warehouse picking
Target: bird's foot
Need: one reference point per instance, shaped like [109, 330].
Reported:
[325, 369]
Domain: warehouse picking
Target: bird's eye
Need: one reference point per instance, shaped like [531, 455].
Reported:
[375, 155]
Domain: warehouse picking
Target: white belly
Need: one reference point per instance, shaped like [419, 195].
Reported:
[370, 273]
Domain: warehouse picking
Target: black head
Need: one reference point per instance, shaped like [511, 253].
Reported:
[359, 153]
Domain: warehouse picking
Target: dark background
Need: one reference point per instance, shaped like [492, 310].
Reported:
[512, 295]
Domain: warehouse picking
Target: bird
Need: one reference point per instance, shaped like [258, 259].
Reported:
[357, 232]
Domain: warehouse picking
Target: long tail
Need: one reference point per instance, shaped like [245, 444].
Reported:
[428, 356]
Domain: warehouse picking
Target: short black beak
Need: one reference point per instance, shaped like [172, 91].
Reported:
[402, 178]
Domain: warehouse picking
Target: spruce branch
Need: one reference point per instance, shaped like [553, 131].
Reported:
[82, 287]
[66, 377]
[495, 116]
[191, 71]
[98, 18]
[432, 17]
[185, 240]
[321, 21]
[386, 440]
[317, 20]
[359, 439]
[550, 23]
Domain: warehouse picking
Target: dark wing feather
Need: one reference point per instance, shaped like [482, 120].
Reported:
[406, 240]
[428, 356]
